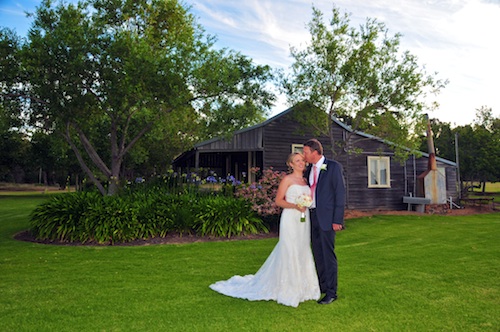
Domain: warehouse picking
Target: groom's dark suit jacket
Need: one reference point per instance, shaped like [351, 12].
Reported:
[330, 194]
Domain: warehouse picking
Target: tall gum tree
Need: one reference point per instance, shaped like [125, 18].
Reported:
[360, 76]
[479, 148]
[124, 67]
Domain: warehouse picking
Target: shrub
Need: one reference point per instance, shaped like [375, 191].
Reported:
[226, 217]
[90, 217]
[162, 204]
[108, 220]
[155, 214]
[85, 217]
[59, 218]
[184, 209]
[262, 194]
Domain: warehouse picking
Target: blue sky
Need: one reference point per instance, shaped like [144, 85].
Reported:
[459, 39]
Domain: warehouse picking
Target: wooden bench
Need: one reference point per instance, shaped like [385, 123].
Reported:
[418, 202]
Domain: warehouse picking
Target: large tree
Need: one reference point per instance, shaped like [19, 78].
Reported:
[14, 156]
[479, 148]
[361, 77]
[53, 161]
[14, 145]
[116, 69]
[444, 140]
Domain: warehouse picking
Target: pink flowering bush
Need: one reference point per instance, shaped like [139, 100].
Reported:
[261, 194]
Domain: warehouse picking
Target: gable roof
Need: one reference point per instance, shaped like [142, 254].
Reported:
[241, 131]
[360, 133]
[334, 119]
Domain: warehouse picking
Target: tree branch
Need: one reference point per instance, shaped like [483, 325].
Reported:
[79, 157]
[144, 130]
[16, 95]
[92, 153]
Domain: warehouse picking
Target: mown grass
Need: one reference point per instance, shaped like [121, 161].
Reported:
[493, 187]
[397, 273]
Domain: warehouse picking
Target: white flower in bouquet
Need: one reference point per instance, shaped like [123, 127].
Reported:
[303, 200]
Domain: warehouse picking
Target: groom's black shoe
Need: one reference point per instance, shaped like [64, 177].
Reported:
[327, 299]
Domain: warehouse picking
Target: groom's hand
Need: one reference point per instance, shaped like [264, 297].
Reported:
[337, 227]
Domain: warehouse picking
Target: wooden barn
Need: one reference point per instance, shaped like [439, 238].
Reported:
[374, 179]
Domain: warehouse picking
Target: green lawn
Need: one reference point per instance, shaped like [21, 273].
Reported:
[397, 273]
[493, 187]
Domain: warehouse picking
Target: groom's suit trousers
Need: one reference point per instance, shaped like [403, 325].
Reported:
[323, 243]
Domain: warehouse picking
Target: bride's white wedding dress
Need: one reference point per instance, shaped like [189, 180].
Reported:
[288, 276]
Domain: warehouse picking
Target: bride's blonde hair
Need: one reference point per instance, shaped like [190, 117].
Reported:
[289, 160]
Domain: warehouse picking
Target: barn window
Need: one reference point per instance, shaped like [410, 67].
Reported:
[297, 148]
[379, 172]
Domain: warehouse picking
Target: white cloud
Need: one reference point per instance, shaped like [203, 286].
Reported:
[456, 38]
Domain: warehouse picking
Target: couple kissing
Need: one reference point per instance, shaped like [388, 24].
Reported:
[303, 264]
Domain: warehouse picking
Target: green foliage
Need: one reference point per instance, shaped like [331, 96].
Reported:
[53, 158]
[14, 156]
[183, 211]
[154, 153]
[90, 217]
[59, 217]
[10, 78]
[479, 154]
[155, 214]
[108, 220]
[104, 74]
[226, 217]
[262, 194]
[362, 77]
[478, 146]
[444, 140]
[85, 217]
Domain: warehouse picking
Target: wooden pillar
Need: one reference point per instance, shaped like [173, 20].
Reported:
[249, 163]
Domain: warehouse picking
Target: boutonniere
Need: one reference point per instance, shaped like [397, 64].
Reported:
[323, 167]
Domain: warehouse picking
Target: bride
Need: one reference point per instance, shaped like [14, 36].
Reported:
[288, 275]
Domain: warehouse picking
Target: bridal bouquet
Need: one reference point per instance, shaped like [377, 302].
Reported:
[303, 200]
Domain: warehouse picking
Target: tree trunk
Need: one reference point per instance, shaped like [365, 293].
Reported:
[82, 163]
[113, 186]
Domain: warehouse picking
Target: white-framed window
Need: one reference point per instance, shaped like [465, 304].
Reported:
[297, 148]
[379, 172]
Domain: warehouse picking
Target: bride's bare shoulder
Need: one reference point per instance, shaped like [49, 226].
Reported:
[291, 179]
[287, 180]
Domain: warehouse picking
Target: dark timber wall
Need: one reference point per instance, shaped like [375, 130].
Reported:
[271, 143]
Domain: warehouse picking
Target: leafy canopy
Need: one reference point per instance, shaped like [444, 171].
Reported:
[360, 76]
[104, 73]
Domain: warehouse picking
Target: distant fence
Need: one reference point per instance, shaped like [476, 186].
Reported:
[486, 202]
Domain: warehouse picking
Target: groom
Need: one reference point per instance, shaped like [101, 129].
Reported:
[327, 214]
